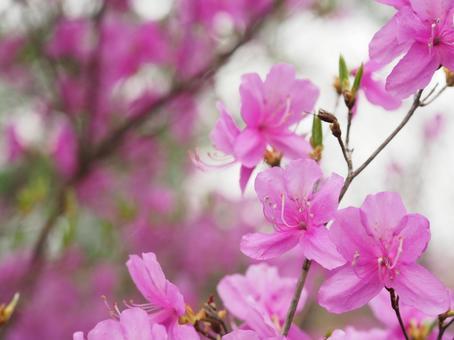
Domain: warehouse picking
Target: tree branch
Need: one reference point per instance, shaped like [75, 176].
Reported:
[395, 306]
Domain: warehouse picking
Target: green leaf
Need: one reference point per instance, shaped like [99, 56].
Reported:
[358, 78]
[343, 73]
[317, 132]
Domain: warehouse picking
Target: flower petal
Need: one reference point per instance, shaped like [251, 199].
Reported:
[225, 132]
[262, 246]
[345, 290]
[245, 174]
[415, 233]
[413, 72]
[135, 324]
[419, 288]
[317, 246]
[325, 202]
[249, 147]
[300, 178]
[252, 94]
[240, 334]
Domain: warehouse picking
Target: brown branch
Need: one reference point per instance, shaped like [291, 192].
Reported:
[115, 139]
[296, 297]
[395, 306]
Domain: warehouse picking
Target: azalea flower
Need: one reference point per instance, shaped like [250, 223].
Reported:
[381, 243]
[269, 108]
[299, 202]
[422, 30]
[262, 285]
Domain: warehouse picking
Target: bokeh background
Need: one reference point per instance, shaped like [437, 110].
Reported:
[73, 71]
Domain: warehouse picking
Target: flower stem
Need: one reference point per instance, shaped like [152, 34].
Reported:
[395, 306]
[296, 296]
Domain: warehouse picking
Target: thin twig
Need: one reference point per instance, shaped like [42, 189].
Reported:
[296, 297]
[395, 306]
[426, 100]
[349, 126]
[416, 104]
[442, 327]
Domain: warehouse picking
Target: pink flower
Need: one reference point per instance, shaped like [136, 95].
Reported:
[299, 202]
[374, 89]
[269, 108]
[351, 333]
[166, 302]
[132, 324]
[422, 30]
[381, 243]
[15, 147]
[64, 150]
[261, 285]
[261, 327]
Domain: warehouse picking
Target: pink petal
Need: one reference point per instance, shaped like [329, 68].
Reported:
[252, 94]
[381, 214]
[245, 174]
[232, 290]
[317, 246]
[325, 202]
[304, 96]
[300, 178]
[350, 237]
[419, 288]
[225, 132]
[270, 186]
[242, 335]
[415, 233]
[291, 145]
[376, 94]
[158, 332]
[78, 336]
[183, 332]
[413, 72]
[395, 3]
[431, 10]
[262, 246]
[250, 147]
[135, 324]
[385, 46]
[106, 330]
[345, 290]
[151, 282]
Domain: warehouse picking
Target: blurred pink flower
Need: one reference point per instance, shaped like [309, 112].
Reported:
[434, 127]
[263, 285]
[424, 32]
[381, 243]
[269, 108]
[299, 202]
[64, 150]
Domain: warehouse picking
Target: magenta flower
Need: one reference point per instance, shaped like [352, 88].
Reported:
[422, 30]
[269, 108]
[261, 285]
[166, 302]
[374, 89]
[299, 203]
[381, 243]
[132, 324]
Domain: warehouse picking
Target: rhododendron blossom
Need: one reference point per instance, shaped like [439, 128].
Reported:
[261, 286]
[381, 243]
[299, 202]
[423, 30]
[269, 108]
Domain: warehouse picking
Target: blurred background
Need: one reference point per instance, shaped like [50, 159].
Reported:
[101, 103]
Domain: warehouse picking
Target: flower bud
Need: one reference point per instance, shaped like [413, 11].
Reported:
[449, 77]
[327, 117]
